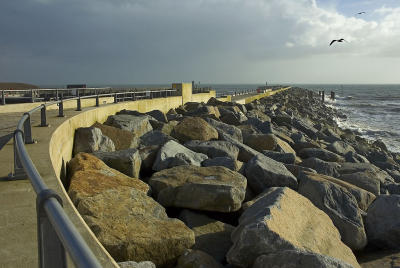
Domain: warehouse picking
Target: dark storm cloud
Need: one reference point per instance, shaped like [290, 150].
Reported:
[151, 41]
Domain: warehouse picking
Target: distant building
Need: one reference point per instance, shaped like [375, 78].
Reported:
[76, 86]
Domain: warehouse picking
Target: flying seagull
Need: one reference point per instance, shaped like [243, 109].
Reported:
[338, 40]
[362, 12]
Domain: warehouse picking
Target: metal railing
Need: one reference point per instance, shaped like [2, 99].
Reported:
[237, 92]
[56, 233]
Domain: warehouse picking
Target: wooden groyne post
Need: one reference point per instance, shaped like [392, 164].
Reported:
[332, 95]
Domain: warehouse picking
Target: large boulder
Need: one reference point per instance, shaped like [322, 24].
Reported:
[91, 139]
[310, 131]
[366, 180]
[224, 161]
[263, 172]
[261, 142]
[197, 259]
[122, 139]
[321, 166]
[298, 258]
[138, 125]
[158, 115]
[283, 146]
[211, 236]
[364, 198]
[340, 205]
[296, 169]
[287, 158]
[132, 226]
[285, 220]
[126, 161]
[154, 137]
[264, 127]
[202, 188]
[228, 130]
[321, 154]
[133, 264]
[174, 154]
[235, 117]
[194, 128]
[90, 175]
[340, 147]
[355, 158]
[383, 222]
[245, 152]
[214, 148]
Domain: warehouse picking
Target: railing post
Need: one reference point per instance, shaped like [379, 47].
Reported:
[61, 108]
[32, 96]
[19, 172]
[78, 101]
[97, 99]
[3, 98]
[56, 94]
[43, 117]
[28, 130]
[50, 249]
[115, 98]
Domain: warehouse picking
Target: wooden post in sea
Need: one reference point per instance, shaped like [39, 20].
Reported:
[332, 95]
[323, 96]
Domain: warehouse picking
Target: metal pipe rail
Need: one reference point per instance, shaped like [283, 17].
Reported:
[56, 233]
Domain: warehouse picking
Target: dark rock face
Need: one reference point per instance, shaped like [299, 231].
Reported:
[300, 258]
[286, 158]
[174, 154]
[263, 229]
[126, 161]
[226, 130]
[383, 222]
[321, 154]
[263, 172]
[211, 236]
[139, 125]
[91, 139]
[339, 204]
[202, 188]
[222, 162]
[326, 168]
[214, 148]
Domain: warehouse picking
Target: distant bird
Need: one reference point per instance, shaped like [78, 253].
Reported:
[338, 40]
[362, 12]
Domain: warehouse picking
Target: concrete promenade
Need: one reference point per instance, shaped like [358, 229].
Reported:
[18, 236]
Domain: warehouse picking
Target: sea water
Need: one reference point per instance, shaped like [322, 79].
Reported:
[372, 110]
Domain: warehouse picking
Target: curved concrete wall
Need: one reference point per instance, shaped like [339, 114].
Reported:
[60, 144]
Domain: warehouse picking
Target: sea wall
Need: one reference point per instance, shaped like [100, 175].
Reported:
[260, 96]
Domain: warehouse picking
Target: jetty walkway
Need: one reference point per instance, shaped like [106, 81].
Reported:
[18, 228]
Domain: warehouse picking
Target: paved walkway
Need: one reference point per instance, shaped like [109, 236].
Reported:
[18, 236]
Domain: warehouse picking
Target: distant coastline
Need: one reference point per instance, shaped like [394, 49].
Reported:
[17, 86]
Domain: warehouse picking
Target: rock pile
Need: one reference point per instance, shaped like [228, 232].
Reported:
[272, 182]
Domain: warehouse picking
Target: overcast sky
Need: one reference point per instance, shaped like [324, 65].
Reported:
[213, 41]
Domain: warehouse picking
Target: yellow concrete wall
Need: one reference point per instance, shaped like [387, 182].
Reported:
[262, 95]
[185, 90]
[200, 97]
[60, 152]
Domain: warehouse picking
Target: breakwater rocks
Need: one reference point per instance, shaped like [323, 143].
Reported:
[273, 182]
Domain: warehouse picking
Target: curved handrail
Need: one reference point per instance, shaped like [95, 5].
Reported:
[51, 216]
